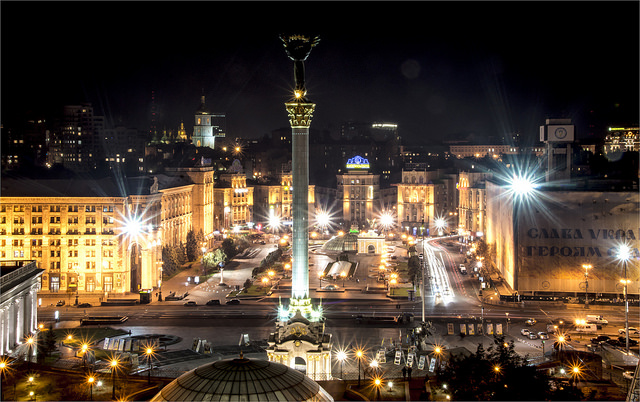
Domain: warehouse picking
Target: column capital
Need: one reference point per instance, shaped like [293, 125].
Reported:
[300, 113]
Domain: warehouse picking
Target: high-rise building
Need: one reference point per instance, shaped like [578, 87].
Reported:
[79, 132]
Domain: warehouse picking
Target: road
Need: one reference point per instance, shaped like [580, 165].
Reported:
[451, 299]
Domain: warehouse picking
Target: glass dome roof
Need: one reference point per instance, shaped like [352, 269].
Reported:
[346, 242]
[243, 380]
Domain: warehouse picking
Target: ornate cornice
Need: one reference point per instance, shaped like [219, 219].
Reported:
[300, 114]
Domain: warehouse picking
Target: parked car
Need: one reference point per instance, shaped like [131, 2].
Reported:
[533, 335]
[233, 301]
[530, 321]
[213, 302]
[628, 375]
[191, 304]
[623, 341]
[524, 332]
[633, 331]
[84, 305]
[599, 339]
[543, 335]
[60, 303]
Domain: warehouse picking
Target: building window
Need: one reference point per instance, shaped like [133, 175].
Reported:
[54, 283]
[107, 283]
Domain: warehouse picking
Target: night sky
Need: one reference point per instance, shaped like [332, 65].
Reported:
[438, 69]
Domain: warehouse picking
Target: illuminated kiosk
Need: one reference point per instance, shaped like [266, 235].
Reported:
[299, 340]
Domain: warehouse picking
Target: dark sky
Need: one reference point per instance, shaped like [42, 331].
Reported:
[438, 69]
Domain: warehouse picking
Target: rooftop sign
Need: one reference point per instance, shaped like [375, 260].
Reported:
[358, 162]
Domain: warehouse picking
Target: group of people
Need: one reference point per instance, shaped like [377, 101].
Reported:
[406, 373]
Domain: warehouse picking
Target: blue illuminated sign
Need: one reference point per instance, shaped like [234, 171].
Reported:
[358, 162]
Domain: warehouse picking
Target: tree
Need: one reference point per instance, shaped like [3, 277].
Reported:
[229, 248]
[413, 267]
[497, 374]
[192, 246]
[46, 343]
[214, 258]
[170, 263]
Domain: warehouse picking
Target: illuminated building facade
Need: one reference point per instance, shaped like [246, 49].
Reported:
[91, 240]
[621, 139]
[472, 203]
[19, 285]
[275, 199]
[539, 245]
[480, 151]
[233, 206]
[359, 192]
[416, 202]
[203, 135]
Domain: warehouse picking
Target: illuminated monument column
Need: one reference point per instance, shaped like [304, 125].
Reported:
[300, 339]
[300, 114]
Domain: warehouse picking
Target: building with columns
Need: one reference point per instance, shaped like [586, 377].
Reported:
[19, 286]
[233, 205]
[96, 238]
[416, 202]
[359, 193]
[472, 204]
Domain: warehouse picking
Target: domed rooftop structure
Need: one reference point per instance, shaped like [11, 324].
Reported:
[243, 380]
[346, 242]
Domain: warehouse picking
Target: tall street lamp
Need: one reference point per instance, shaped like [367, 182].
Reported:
[85, 349]
[30, 342]
[114, 365]
[359, 356]
[586, 267]
[91, 380]
[149, 353]
[342, 356]
[624, 254]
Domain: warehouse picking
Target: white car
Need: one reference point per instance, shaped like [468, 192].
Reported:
[525, 332]
[633, 331]
[628, 375]
[543, 335]
[533, 335]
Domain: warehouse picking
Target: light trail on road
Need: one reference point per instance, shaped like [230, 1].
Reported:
[438, 278]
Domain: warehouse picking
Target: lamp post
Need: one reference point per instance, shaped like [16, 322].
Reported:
[624, 254]
[90, 380]
[359, 356]
[507, 314]
[341, 356]
[377, 382]
[149, 352]
[586, 284]
[30, 342]
[113, 364]
[85, 349]
[437, 350]
[3, 367]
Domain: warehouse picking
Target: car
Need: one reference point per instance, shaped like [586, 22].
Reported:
[213, 302]
[190, 304]
[632, 331]
[623, 341]
[524, 332]
[599, 339]
[330, 287]
[628, 375]
[84, 305]
[233, 301]
[421, 256]
[543, 335]
[533, 335]
[60, 303]
[531, 322]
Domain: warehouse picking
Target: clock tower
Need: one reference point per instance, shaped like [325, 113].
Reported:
[202, 128]
[558, 135]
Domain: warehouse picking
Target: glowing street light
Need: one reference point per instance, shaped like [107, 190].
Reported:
[359, 356]
[149, 352]
[91, 380]
[341, 356]
[624, 255]
[30, 341]
[377, 382]
[113, 364]
[85, 349]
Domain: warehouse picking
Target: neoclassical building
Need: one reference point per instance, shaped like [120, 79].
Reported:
[233, 205]
[101, 237]
[416, 201]
[359, 192]
[472, 202]
[19, 285]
